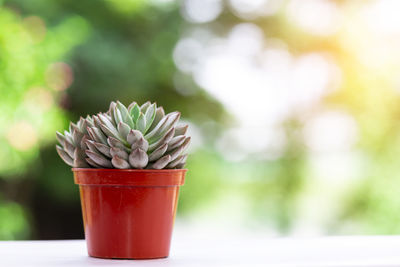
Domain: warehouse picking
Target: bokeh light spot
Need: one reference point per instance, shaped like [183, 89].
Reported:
[22, 136]
[59, 76]
[201, 11]
[35, 27]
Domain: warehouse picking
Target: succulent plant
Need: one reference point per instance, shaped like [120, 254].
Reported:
[136, 137]
[73, 143]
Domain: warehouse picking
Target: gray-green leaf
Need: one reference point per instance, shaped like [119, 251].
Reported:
[158, 153]
[79, 159]
[141, 143]
[150, 115]
[141, 123]
[119, 163]
[135, 112]
[145, 106]
[138, 159]
[181, 129]
[97, 135]
[161, 163]
[123, 129]
[178, 151]
[175, 142]
[126, 117]
[91, 146]
[133, 136]
[60, 138]
[114, 151]
[69, 148]
[104, 149]
[113, 142]
[99, 159]
[64, 156]
[157, 118]
[177, 161]
[92, 163]
[164, 140]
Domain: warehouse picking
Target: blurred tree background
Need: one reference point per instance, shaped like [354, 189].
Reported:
[293, 107]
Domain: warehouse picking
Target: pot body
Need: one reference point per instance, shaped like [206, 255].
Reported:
[128, 214]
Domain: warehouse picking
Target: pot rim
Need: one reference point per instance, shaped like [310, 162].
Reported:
[129, 177]
[127, 170]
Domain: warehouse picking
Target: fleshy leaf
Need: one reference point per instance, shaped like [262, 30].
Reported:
[89, 122]
[150, 115]
[64, 156]
[158, 153]
[141, 143]
[113, 142]
[120, 163]
[60, 138]
[97, 135]
[112, 133]
[117, 116]
[92, 163]
[123, 129]
[68, 137]
[138, 159]
[177, 161]
[180, 165]
[145, 106]
[178, 151]
[141, 123]
[126, 118]
[181, 129]
[157, 118]
[79, 159]
[161, 163]
[69, 148]
[106, 121]
[156, 131]
[91, 146]
[73, 128]
[133, 136]
[111, 108]
[135, 112]
[164, 140]
[175, 142]
[170, 122]
[82, 124]
[99, 159]
[114, 151]
[131, 105]
[83, 142]
[104, 149]
[96, 121]
[77, 136]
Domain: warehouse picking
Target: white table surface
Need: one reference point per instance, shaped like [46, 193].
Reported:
[201, 250]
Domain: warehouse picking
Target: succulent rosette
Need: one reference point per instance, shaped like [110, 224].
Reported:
[134, 137]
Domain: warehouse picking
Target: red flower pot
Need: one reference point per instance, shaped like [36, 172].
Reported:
[128, 214]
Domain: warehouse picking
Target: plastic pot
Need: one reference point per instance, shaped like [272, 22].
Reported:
[128, 214]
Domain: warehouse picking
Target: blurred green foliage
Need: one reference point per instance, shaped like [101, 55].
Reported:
[63, 59]
[117, 50]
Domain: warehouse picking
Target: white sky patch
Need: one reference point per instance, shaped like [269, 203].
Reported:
[318, 17]
[257, 80]
[331, 137]
[338, 167]
[383, 16]
[251, 9]
[269, 143]
[201, 11]
[331, 131]
[187, 54]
